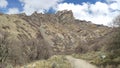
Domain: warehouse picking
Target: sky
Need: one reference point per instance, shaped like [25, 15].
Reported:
[96, 11]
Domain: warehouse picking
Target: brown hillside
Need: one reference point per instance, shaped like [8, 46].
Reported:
[41, 35]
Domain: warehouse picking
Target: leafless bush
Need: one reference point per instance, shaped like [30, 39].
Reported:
[2, 65]
[114, 42]
[81, 48]
[3, 45]
[29, 50]
[116, 21]
[37, 49]
[22, 51]
[94, 48]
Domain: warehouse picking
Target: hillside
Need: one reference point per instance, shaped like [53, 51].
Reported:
[40, 36]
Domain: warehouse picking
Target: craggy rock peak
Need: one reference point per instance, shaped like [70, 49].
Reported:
[61, 30]
[65, 16]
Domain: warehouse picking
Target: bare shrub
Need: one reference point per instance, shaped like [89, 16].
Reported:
[35, 49]
[114, 42]
[3, 46]
[16, 53]
[44, 50]
[22, 51]
[81, 48]
[94, 48]
[2, 65]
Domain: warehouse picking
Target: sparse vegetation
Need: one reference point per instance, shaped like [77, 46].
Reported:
[113, 46]
[81, 48]
[57, 61]
[22, 52]
[4, 42]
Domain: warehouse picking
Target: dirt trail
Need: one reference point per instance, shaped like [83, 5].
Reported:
[78, 63]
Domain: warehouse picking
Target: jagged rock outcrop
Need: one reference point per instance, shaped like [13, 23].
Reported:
[65, 17]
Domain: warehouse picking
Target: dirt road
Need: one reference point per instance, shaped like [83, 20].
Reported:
[79, 63]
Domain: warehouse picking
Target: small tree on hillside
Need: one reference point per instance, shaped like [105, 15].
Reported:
[114, 43]
[116, 21]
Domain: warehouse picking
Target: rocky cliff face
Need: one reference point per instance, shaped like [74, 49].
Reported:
[60, 30]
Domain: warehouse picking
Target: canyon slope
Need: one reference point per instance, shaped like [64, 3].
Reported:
[40, 36]
[60, 30]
